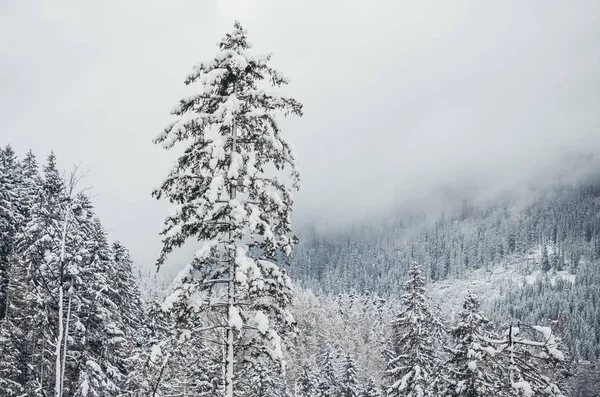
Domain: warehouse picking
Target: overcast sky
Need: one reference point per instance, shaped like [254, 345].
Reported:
[399, 96]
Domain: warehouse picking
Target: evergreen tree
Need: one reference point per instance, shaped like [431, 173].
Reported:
[98, 319]
[545, 260]
[305, 384]
[529, 354]
[265, 382]
[30, 186]
[348, 383]
[472, 371]
[124, 290]
[417, 331]
[148, 361]
[10, 369]
[9, 219]
[224, 198]
[327, 384]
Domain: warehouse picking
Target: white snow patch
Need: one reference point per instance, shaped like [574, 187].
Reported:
[262, 322]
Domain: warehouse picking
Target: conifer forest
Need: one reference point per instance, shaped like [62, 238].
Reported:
[441, 249]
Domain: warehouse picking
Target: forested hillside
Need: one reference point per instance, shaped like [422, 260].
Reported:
[371, 255]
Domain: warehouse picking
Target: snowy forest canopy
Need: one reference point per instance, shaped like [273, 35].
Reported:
[497, 299]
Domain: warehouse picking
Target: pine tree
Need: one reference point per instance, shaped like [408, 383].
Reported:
[98, 319]
[30, 185]
[472, 370]
[150, 356]
[546, 265]
[224, 198]
[417, 331]
[126, 292]
[305, 384]
[266, 382]
[327, 385]
[9, 219]
[348, 382]
[9, 363]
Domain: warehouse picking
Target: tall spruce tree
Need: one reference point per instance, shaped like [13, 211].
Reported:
[9, 219]
[348, 381]
[472, 370]
[306, 382]
[416, 335]
[327, 384]
[225, 198]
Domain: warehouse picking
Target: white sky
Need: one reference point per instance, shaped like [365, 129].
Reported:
[400, 96]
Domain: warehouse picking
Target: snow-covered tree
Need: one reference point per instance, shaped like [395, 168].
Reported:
[545, 259]
[348, 382]
[472, 370]
[225, 197]
[266, 382]
[327, 382]
[9, 219]
[416, 340]
[124, 290]
[530, 356]
[306, 382]
[10, 359]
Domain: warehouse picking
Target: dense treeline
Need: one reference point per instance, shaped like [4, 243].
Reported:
[374, 256]
[69, 304]
[362, 345]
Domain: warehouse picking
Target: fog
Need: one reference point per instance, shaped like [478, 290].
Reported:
[400, 97]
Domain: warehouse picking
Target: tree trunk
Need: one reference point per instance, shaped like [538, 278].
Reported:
[229, 377]
[58, 370]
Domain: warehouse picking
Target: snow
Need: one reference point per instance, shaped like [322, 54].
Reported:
[546, 331]
[472, 365]
[490, 350]
[523, 386]
[550, 343]
[204, 251]
[237, 163]
[538, 275]
[235, 320]
[262, 322]
[276, 352]
[216, 184]
[155, 353]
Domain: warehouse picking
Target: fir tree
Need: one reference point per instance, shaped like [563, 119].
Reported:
[348, 382]
[327, 385]
[417, 330]
[224, 198]
[472, 370]
[9, 219]
[305, 384]
[545, 260]
[266, 382]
